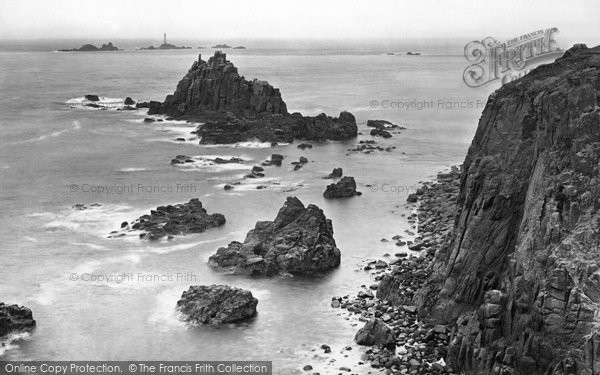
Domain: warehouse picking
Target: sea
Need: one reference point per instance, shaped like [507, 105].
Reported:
[101, 298]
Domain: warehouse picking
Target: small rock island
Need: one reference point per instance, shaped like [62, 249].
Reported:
[92, 48]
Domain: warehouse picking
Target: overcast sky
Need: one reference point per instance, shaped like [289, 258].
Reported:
[330, 19]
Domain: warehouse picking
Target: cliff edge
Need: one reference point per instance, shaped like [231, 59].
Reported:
[519, 278]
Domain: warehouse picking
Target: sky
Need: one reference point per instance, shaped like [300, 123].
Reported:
[297, 19]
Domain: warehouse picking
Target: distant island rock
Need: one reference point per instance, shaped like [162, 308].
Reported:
[164, 46]
[239, 47]
[221, 46]
[92, 48]
[237, 110]
[409, 53]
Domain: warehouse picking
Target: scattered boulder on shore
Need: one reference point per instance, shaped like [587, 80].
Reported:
[15, 318]
[179, 219]
[336, 173]
[299, 241]
[129, 101]
[344, 188]
[217, 304]
[376, 332]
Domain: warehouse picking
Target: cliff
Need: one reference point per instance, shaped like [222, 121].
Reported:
[216, 86]
[519, 278]
[239, 110]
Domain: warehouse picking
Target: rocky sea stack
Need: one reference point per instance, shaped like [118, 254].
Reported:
[15, 318]
[217, 304]
[518, 279]
[240, 110]
[299, 241]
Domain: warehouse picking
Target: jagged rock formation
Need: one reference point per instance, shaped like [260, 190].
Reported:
[240, 110]
[216, 86]
[217, 304]
[520, 274]
[15, 318]
[299, 241]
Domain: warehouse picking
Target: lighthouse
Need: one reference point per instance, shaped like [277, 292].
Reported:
[165, 38]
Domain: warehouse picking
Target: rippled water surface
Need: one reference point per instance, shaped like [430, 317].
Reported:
[53, 157]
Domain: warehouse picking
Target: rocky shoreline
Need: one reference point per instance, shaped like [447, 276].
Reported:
[401, 342]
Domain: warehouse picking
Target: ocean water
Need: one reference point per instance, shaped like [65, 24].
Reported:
[100, 298]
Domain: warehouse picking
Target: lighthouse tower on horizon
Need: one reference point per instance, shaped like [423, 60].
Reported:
[165, 38]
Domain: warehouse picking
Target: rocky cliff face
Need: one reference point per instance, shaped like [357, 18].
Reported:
[216, 86]
[520, 275]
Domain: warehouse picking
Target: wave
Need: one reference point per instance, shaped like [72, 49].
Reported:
[248, 144]
[9, 342]
[164, 317]
[96, 220]
[75, 126]
[208, 162]
[132, 169]
[104, 102]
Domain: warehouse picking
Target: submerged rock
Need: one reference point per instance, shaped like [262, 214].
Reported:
[299, 241]
[217, 304]
[15, 318]
[344, 188]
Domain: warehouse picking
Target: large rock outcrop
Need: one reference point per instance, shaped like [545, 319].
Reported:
[237, 110]
[15, 318]
[216, 86]
[217, 304]
[299, 241]
[519, 278]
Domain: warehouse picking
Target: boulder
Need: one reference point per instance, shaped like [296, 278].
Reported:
[376, 332]
[92, 98]
[129, 101]
[344, 188]
[336, 173]
[216, 304]
[15, 318]
[299, 241]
